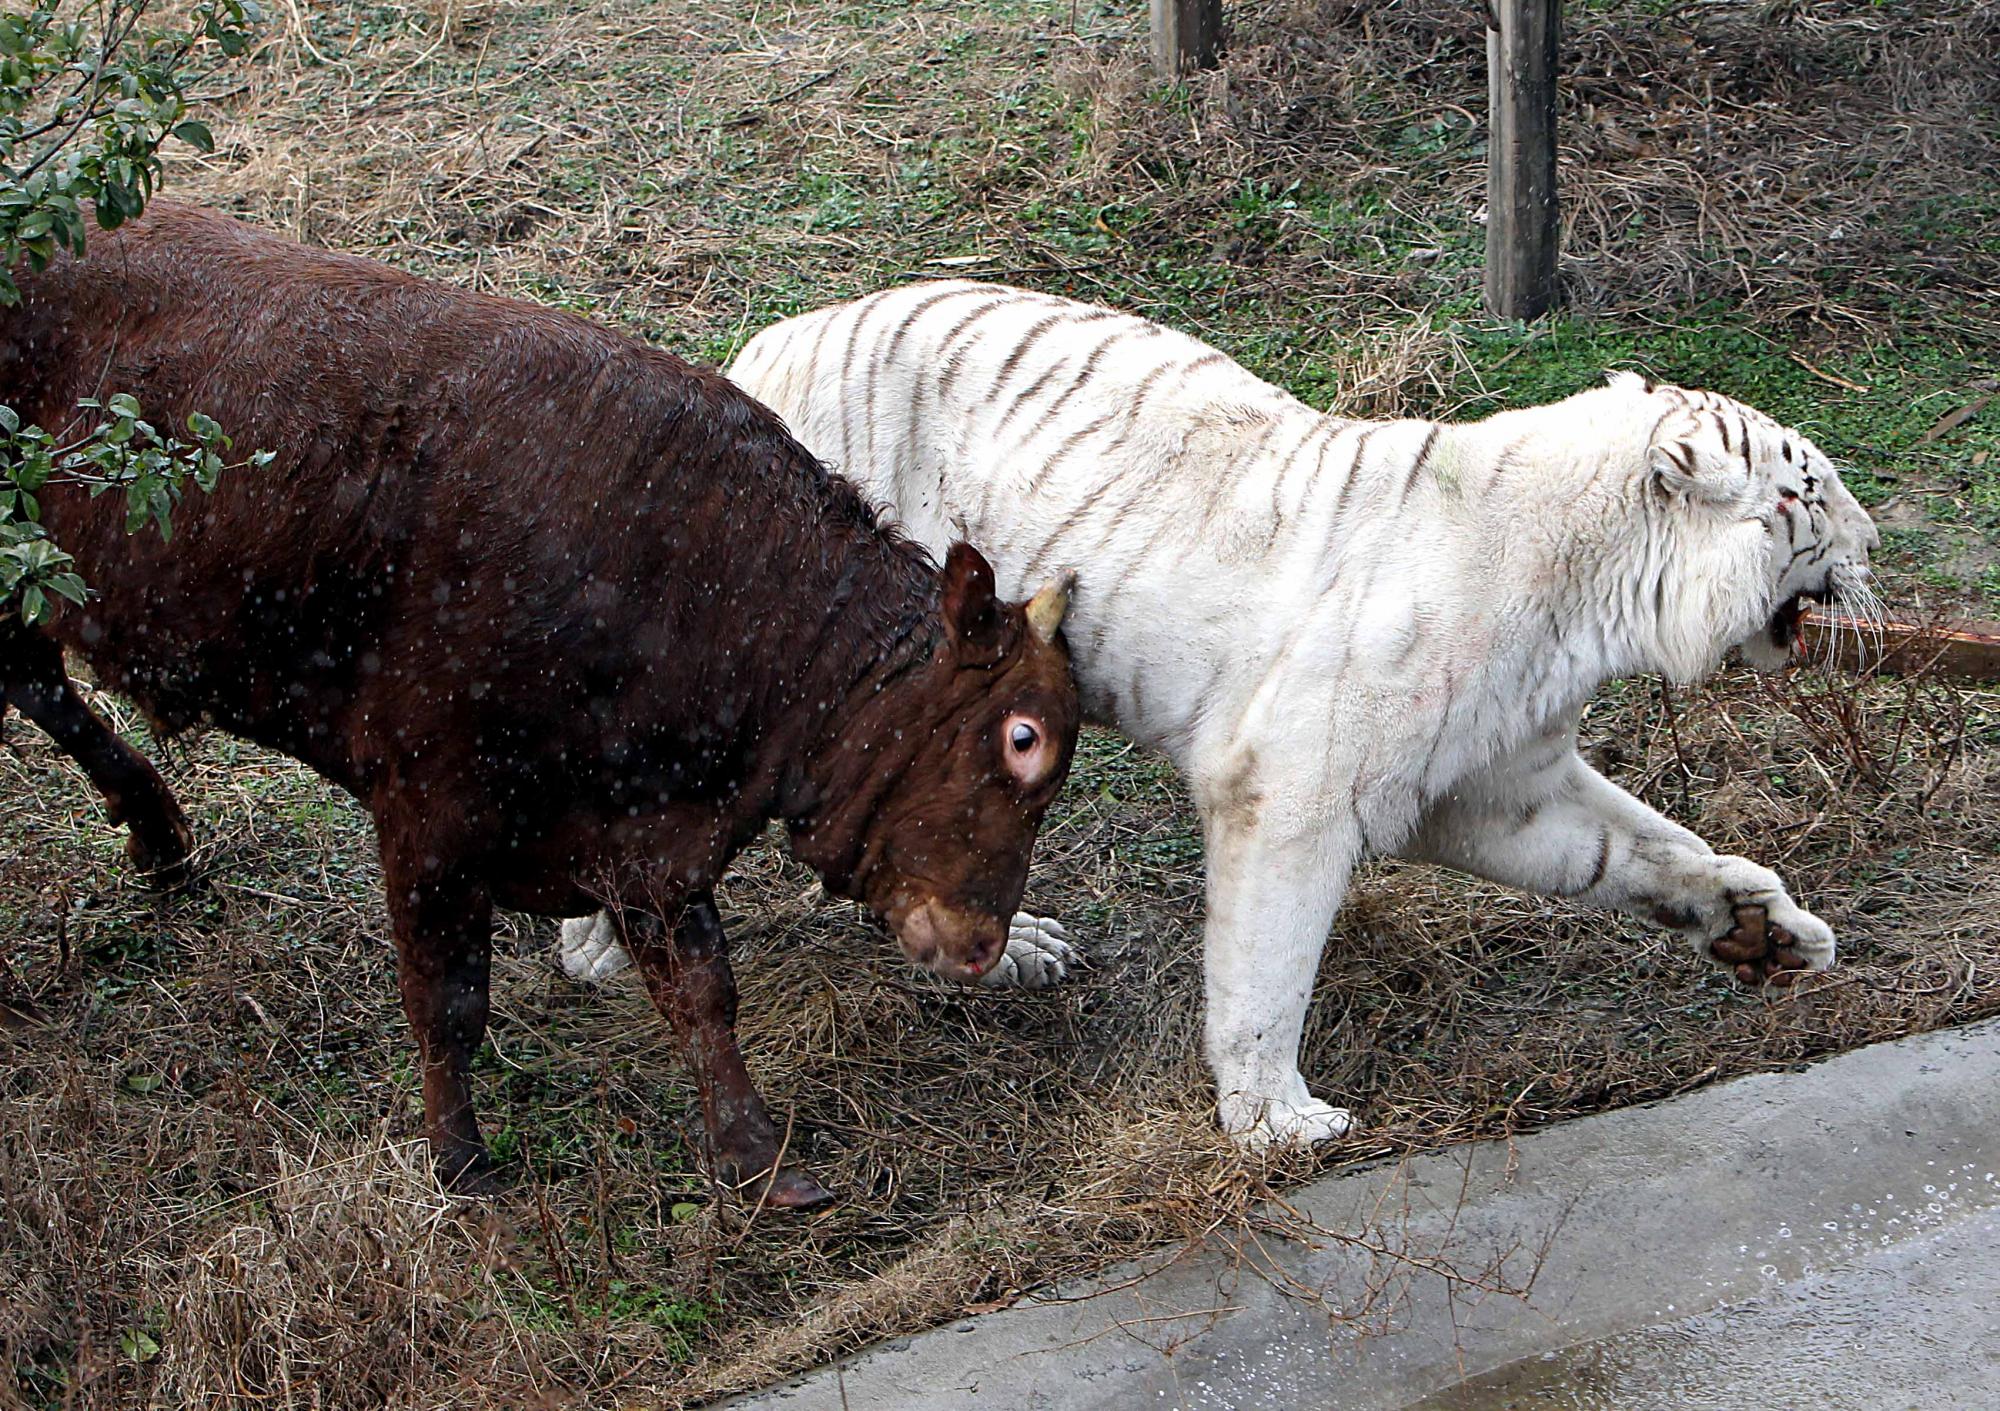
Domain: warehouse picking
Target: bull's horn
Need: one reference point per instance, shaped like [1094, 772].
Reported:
[1046, 608]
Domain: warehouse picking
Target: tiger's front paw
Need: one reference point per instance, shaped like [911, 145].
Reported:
[589, 951]
[1039, 954]
[1773, 943]
[1258, 1124]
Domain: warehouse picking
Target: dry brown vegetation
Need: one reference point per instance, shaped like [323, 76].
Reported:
[211, 1196]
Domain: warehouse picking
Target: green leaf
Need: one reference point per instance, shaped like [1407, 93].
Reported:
[138, 1344]
[196, 134]
[683, 1210]
[144, 1082]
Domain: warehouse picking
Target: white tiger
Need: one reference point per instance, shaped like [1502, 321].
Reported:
[1352, 637]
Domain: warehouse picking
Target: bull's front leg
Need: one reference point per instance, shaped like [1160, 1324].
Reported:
[1547, 822]
[690, 980]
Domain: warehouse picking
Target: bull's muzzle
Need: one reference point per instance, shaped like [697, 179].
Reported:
[959, 945]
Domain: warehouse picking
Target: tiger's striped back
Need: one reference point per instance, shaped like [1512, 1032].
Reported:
[1059, 435]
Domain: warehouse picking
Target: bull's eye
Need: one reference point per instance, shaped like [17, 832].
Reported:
[1788, 494]
[1027, 752]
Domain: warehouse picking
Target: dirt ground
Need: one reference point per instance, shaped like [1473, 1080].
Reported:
[211, 1193]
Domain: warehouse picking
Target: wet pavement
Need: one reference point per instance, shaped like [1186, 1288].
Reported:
[1818, 1240]
[1914, 1326]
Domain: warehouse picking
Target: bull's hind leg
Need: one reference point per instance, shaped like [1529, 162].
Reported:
[444, 943]
[32, 680]
[691, 982]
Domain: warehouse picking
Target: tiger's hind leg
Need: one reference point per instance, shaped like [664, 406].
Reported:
[32, 681]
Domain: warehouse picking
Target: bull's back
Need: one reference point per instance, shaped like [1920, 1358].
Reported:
[430, 544]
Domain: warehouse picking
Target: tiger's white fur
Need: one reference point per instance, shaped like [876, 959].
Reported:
[1352, 637]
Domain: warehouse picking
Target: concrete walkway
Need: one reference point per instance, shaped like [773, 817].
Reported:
[1769, 1243]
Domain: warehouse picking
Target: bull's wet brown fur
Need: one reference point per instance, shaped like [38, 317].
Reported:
[555, 606]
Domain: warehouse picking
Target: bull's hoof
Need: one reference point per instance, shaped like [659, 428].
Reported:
[159, 851]
[470, 1173]
[1758, 952]
[787, 1188]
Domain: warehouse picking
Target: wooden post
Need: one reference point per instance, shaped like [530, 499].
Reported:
[1187, 35]
[1522, 224]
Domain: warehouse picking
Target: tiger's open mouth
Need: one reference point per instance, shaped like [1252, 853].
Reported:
[1783, 628]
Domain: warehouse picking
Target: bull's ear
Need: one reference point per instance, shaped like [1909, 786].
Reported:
[971, 611]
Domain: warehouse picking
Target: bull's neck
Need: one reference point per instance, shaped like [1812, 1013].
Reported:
[861, 733]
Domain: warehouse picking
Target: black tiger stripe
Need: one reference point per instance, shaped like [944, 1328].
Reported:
[1434, 758]
[1603, 865]
[826, 326]
[846, 378]
[1325, 426]
[1353, 474]
[1109, 534]
[1067, 317]
[913, 433]
[1021, 400]
[1242, 463]
[1083, 375]
[1291, 457]
[1038, 561]
[924, 306]
[1183, 732]
[1417, 466]
[1145, 555]
[1137, 403]
[947, 354]
[877, 364]
[1319, 469]
[1069, 443]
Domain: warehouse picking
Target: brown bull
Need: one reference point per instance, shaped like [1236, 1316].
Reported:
[566, 614]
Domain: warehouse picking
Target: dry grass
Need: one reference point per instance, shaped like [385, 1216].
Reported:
[206, 1102]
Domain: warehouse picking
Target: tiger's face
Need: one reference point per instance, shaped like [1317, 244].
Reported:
[1743, 463]
[1820, 536]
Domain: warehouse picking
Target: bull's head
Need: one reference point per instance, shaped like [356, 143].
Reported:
[929, 810]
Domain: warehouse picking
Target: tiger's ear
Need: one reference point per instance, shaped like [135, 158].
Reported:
[1689, 461]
